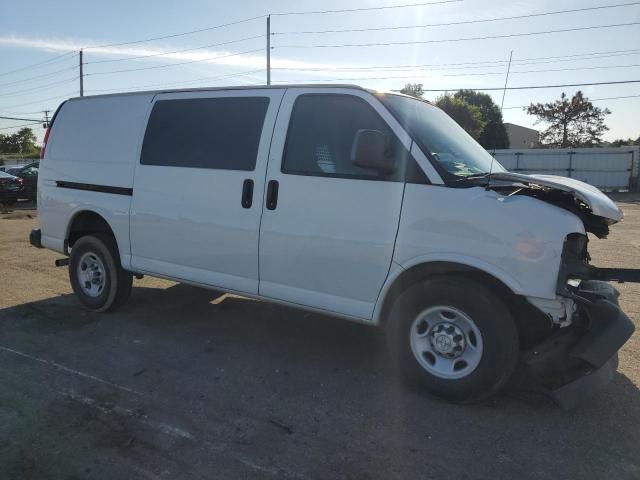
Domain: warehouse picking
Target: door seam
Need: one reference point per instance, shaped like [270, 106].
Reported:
[264, 183]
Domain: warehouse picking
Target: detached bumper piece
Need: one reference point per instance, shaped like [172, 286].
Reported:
[35, 238]
[577, 359]
[620, 275]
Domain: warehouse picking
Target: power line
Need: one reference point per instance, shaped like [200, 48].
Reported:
[46, 75]
[177, 51]
[244, 20]
[21, 119]
[6, 114]
[465, 22]
[23, 113]
[590, 99]
[427, 72]
[594, 57]
[237, 74]
[145, 40]
[418, 74]
[628, 51]
[33, 65]
[175, 64]
[531, 87]
[23, 92]
[456, 66]
[464, 39]
[539, 71]
[19, 126]
[365, 9]
[67, 95]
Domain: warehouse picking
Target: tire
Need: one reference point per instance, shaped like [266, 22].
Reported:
[111, 284]
[464, 336]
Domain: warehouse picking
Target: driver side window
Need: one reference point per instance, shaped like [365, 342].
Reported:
[321, 136]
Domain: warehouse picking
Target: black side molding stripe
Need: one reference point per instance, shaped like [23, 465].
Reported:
[95, 188]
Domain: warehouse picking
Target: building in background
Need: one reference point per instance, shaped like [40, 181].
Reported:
[522, 137]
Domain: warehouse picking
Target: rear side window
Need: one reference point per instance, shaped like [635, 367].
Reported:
[321, 134]
[217, 133]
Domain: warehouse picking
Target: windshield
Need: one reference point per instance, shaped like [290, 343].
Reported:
[454, 149]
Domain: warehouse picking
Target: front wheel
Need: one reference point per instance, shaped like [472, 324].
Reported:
[96, 275]
[453, 337]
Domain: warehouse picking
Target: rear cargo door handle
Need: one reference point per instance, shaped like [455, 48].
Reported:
[247, 193]
[272, 195]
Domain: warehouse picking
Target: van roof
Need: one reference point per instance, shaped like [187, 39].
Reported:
[239, 87]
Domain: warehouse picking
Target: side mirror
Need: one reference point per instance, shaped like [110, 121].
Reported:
[368, 151]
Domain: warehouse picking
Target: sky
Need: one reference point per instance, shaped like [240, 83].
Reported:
[438, 56]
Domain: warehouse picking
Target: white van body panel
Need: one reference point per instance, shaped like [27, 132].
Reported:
[92, 141]
[188, 223]
[329, 243]
[95, 140]
[483, 229]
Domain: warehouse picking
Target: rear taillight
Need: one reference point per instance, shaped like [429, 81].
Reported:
[44, 143]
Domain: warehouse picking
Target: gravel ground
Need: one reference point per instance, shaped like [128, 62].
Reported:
[187, 383]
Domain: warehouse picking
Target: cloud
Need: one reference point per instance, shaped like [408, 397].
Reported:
[158, 54]
[167, 54]
[288, 70]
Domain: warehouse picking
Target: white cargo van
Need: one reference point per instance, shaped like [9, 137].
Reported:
[374, 207]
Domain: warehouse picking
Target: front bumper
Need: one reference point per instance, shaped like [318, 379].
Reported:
[583, 356]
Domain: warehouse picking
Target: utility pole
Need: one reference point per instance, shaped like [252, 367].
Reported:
[46, 118]
[268, 49]
[81, 76]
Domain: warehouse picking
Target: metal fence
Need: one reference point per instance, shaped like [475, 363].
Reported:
[606, 168]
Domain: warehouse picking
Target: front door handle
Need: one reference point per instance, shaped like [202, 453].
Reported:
[272, 195]
[247, 193]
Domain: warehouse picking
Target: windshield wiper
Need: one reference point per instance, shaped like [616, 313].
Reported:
[474, 176]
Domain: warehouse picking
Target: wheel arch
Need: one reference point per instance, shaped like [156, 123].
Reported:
[86, 222]
[531, 323]
[402, 278]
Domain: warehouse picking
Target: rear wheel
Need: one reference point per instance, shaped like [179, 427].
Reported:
[454, 338]
[96, 274]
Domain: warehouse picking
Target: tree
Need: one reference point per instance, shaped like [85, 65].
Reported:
[622, 142]
[413, 89]
[574, 122]
[494, 134]
[23, 141]
[466, 115]
[26, 141]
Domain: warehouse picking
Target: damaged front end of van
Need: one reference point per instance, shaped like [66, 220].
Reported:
[582, 351]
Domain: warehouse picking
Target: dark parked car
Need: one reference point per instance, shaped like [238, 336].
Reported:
[29, 174]
[11, 188]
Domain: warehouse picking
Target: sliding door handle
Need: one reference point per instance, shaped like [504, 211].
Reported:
[272, 195]
[247, 193]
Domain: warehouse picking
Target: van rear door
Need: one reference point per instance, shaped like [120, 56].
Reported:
[198, 186]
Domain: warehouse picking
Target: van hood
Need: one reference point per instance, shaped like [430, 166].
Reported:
[594, 208]
[599, 204]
